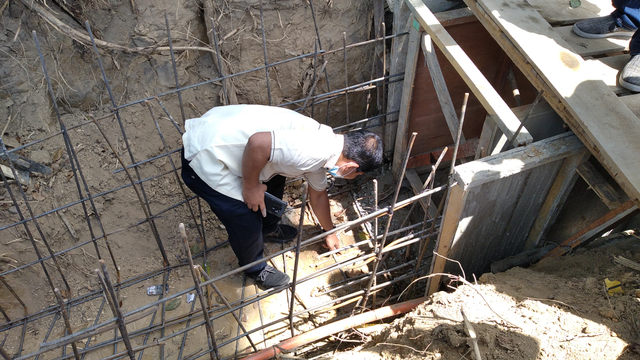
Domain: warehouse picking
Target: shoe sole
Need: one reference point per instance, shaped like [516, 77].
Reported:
[277, 241]
[621, 33]
[629, 86]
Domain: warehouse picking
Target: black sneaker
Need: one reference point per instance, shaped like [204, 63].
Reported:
[281, 234]
[630, 75]
[271, 277]
[601, 27]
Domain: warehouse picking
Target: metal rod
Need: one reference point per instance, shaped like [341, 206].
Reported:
[463, 112]
[346, 74]
[384, 97]
[297, 258]
[226, 303]
[26, 228]
[365, 297]
[203, 304]
[259, 68]
[77, 170]
[6, 284]
[524, 120]
[173, 63]
[67, 324]
[313, 87]
[112, 299]
[178, 179]
[264, 48]
[141, 197]
[145, 203]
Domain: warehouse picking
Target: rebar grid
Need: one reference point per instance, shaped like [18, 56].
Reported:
[139, 185]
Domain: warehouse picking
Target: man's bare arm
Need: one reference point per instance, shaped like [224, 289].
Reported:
[320, 204]
[255, 157]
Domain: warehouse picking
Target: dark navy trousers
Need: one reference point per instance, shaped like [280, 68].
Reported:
[244, 226]
[627, 13]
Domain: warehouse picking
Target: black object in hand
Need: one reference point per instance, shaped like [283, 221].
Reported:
[274, 205]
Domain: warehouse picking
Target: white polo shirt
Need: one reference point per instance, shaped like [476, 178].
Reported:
[300, 146]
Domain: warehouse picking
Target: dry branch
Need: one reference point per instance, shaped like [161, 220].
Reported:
[86, 40]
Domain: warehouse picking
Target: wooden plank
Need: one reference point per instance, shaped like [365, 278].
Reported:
[632, 102]
[607, 127]
[517, 160]
[397, 62]
[487, 135]
[478, 84]
[559, 12]
[507, 184]
[589, 47]
[599, 185]
[599, 226]
[448, 228]
[440, 87]
[407, 92]
[555, 199]
[418, 187]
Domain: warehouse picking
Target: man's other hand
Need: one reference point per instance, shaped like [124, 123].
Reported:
[254, 198]
[332, 242]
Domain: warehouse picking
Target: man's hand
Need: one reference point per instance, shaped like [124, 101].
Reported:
[254, 197]
[332, 242]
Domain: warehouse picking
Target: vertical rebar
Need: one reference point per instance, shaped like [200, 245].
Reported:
[203, 304]
[326, 76]
[375, 230]
[178, 180]
[175, 70]
[346, 74]
[384, 87]
[6, 284]
[67, 324]
[315, 66]
[4, 354]
[463, 112]
[112, 299]
[264, 47]
[5, 153]
[76, 169]
[303, 208]
[378, 259]
[526, 117]
[145, 203]
[226, 303]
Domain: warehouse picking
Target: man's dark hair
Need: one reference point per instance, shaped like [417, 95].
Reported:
[363, 147]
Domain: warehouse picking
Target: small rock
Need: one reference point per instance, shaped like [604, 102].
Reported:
[13, 210]
[41, 156]
[608, 313]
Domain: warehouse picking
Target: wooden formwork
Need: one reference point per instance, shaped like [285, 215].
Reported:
[506, 202]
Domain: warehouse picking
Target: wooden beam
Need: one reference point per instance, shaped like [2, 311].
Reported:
[599, 185]
[405, 102]
[597, 227]
[418, 186]
[397, 62]
[481, 88]
[517, 160]
[440, 87]
[448, 229]
[604, 124]
[556, 198]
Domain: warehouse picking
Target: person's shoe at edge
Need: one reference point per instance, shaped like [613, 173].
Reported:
[281, 234]
[630, 75]
[271, 277]
[600, 27]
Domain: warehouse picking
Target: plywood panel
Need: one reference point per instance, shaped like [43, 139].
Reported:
[426, 116]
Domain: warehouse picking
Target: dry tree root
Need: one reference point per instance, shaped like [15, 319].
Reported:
[86, 40]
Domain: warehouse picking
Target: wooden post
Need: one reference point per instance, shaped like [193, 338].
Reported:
[407, 94]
